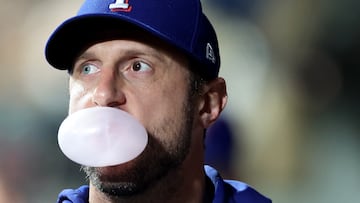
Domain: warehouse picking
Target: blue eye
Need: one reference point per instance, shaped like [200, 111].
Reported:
[140, 66]
[89, 69]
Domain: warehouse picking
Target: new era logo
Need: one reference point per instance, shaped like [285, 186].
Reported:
[120, 5]
[210, 55]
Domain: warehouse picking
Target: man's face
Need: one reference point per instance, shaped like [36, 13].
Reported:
[152, 84]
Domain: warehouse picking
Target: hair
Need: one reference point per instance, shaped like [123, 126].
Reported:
[196, 79]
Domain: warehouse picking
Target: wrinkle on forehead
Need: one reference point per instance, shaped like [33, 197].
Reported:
[131, 33]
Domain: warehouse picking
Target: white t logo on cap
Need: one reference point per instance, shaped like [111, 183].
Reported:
[120, 5]
[210, 53]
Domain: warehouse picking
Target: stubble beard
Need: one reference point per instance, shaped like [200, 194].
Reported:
[155, 163]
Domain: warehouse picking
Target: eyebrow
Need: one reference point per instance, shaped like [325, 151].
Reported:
[85, 55]
[89, 54]
[127, 52]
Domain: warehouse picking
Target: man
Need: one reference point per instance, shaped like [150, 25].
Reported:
[157, 60]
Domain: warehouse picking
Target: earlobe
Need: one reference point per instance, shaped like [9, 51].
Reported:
[213, 101]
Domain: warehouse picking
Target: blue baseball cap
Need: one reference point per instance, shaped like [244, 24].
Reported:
[180, 23]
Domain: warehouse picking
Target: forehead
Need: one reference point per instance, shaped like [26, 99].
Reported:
[132, 34]
[126, 48]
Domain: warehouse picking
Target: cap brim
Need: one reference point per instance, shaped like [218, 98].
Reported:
[77, 33]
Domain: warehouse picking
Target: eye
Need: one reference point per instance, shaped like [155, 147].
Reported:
[139, 66]
[89, 69]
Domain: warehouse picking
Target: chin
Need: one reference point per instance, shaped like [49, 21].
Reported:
[121, 172]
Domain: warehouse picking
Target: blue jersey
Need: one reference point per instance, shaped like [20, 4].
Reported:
[218, 190]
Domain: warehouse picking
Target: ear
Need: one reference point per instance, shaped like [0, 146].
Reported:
[213, 101]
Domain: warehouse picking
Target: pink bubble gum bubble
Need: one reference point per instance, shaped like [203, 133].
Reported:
[101, 136]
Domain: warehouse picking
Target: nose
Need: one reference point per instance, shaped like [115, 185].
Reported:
[108, 91]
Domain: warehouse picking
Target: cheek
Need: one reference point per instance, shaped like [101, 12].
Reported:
[79, 97]
[163, 103]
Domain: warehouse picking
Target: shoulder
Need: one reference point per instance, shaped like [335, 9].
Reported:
[233, 191]
[241, 192]
[79, 195]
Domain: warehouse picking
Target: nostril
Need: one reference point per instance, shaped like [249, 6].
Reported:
[113, 104]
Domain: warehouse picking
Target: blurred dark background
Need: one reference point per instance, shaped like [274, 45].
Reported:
[291, 128]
